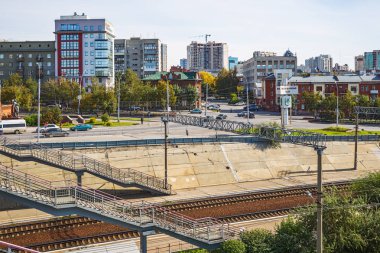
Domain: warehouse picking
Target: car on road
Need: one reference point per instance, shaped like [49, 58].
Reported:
[252, 107]
[240, 103]
[213, 107]
[47, 127]
[81, 127]
[56, 133]
[135, 108]
[221, 116]
[208, 118]
[242, 113]
[251, 115]
[196, 111]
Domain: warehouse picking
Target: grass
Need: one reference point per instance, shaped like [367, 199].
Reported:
[113, 123]
[341, 131]
[130, 119]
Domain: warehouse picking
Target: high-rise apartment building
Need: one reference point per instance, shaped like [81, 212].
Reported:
[232, 62]
[143, 56]
[85, 49]
[359, 63]
[321, 63]
[262, 64]
[34, 59]
[372, 61]
[183, 63]
[211, 56]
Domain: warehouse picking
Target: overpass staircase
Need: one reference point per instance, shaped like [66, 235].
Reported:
[80, 163]
[66, 197]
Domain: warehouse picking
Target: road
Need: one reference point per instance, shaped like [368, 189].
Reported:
[154, 128]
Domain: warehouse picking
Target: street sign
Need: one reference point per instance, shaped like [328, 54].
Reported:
[287, 90]
[286, 102]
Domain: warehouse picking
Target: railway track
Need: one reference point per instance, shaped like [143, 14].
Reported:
[195, 207]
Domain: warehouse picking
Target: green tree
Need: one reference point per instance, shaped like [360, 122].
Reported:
[105, 118]
[226, 82]
[369, 187]
[347, 103]
[161, 94]
[99, 99]
[190, 93]
[376, 102]
[51, 115]
[233, 246]
[257, 241]
[363, 100]
[312, 101]
[19, 92]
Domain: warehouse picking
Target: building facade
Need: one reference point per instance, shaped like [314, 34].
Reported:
[372, 61]
[232, 62]
[29, 59]
[262, 64]
[85, 49]
[183, 63]
[211, 56]
[270, 85]
[359, 63]
[143, 56]
[321, 63]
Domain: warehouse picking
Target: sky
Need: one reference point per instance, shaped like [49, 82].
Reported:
[341, 28]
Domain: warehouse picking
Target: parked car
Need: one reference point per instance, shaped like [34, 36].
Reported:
[135, 108]
[213, 107]
[47, 127]
[251, 115]
[240, 103]
[221, 116]
[242, 113]
[56, 133]
[208, 118]
[196, 111]
[81, 127]
[253, 107]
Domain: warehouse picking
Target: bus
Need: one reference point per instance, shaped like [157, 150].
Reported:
[16, 126]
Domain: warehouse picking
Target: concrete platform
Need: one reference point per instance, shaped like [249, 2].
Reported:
[217, 169]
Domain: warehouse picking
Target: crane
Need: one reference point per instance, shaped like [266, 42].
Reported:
[203, 35]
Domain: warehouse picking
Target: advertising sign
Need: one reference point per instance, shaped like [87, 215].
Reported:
[287, 90]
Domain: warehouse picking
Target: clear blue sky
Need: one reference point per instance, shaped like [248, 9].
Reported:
[342, 28]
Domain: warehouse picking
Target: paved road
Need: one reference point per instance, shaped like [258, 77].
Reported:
[154, 128]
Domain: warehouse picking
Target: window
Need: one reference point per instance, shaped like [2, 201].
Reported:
[30, 64]
[91, 44]
[10, 64]
[63, 27]
[86, 28]
[1, 56]
[91, 35]
[86, 44]
[48, 56]
[92, 53]
[86, 72]
[91, 28]
[48, 64]
[86, 63]
[353, 89]
[1, 73]
[11, 56]
[92, 71]
[1, 64]
[92, 62]
[86, 53]
[279, 75]
[319, 88]
[86, 35]
[30, 56]
[99, 27]
[48, 72]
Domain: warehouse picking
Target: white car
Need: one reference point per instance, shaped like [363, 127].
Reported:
[48, 127]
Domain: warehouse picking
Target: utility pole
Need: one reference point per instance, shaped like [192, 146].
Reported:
[118, 77]
[247, 102]
[206, 99]
[39, 101]
[356, 142]
[166, 152]
[319, 202]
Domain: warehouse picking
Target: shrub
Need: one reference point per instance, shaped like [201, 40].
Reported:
[108, 123]
[51, 115]
[257, 241]
[233, 246]
[31, 120]
[336, 129]
[105, 118]
[92, 120]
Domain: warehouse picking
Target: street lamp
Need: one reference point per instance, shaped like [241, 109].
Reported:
[337, 101]
[39, 101]
[247, 91]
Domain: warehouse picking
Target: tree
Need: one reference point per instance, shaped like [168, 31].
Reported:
[312, 101]
[190, 93]
[369, 187]
[347, 103]
[376, 102]
[51, 115]
[233, 98]
[18, 92]
[239, 90]
[257, 241]
[233, 246]
[161, 94]
[226, 82]
[207, 79]
[99, 99]
[363, 100]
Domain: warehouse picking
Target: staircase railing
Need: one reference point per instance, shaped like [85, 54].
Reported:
[82, 162]
[142, 214]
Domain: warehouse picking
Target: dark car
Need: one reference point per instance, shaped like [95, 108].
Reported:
[251, 115]
[221, 116]
[208, 118]
[253, 107]
[56, 133]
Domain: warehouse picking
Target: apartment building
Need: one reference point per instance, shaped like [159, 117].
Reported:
[85, 49]
[211, 56]
[29, 59]
[359, 63]
[321, 63]
[372, 61]
[262, 64]
[143, 56]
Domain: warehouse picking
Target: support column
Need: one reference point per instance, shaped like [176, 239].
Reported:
[356, 142]
[143, 243]
[79, 175]
[319, 202]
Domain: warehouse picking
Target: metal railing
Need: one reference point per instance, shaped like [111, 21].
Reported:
[10, 247]
[268, 133]
[75, 162]
[141, 214]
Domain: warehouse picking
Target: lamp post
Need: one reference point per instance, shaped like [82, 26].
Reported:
[247, 91]
[206, 99]
[80, 92]
[118, 77]
[39, 102]
[337, 102]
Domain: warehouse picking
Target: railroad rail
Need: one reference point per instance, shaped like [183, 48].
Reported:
[80, 163]
[195, 206]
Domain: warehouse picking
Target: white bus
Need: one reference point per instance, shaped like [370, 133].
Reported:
[16, 126]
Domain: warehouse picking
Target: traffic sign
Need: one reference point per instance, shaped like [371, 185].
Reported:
[286, 102]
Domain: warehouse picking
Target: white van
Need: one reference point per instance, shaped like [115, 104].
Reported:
[16, 126]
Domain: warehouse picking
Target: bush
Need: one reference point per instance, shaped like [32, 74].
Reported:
[336, 129]
[108, 123]
[105, 118]
[31, 120]
[233, 246]
[257, 241]
[92, 120]
[51, 115]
